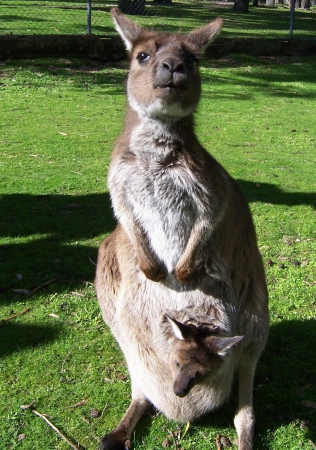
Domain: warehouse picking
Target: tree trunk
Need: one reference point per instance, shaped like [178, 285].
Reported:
[138, 7]
[125, 6]
[241, 5]
[255, 3]
[270, 2]
[306, 4]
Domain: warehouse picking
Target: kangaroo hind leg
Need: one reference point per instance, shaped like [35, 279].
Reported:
[119, 438]
[245, 419]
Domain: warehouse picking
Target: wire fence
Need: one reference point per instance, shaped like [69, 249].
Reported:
[79, 17]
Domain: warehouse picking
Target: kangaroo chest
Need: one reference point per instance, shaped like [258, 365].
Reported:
[163, 193]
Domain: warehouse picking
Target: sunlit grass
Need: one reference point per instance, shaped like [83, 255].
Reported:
[59, 121]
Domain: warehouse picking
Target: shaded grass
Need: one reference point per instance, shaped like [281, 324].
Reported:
[59, 120]
[61, 17]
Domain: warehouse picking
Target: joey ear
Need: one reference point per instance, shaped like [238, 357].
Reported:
[203, 36]
[220, 345]
[180, 330]
[128, 29]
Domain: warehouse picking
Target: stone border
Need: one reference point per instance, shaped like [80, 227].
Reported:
[112, 48]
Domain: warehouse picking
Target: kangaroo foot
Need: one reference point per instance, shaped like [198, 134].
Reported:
[113, 441]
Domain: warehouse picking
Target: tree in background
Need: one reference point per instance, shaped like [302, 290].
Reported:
[241, 5]
[132, 6]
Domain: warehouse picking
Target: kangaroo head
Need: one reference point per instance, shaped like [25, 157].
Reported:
[164, 80]
[198, 353]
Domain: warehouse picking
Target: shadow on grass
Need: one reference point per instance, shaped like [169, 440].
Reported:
[271, 193]
[271, 81]
[57, 236]
[277, 81]
[16, 337]
[285, 380]
[48, 239]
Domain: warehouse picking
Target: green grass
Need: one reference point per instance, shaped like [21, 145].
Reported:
[59, 120]
[63, 17]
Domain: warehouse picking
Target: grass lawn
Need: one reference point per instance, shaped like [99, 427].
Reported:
[70, 17]
[59, 119]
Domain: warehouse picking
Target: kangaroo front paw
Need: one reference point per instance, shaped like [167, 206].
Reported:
[113, 442]
[184, 272]
[154, 272]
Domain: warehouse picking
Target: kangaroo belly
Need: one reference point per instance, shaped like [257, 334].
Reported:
[153, 378]
[146, 347]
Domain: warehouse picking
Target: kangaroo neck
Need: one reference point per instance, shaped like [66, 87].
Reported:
[160, 131]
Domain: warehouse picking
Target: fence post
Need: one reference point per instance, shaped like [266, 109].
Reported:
[89, 16]
[292, 6]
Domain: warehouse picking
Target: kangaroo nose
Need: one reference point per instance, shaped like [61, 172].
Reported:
[173, 65]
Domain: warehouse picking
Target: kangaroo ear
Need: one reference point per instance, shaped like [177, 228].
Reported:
[180, 330]
[128, 29]
[203, 36]
[221, 345]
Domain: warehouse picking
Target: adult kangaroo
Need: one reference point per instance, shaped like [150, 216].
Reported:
[185, 244]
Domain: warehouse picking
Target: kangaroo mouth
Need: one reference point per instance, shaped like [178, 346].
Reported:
[171, 85]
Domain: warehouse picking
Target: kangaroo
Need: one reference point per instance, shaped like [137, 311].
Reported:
[185, 242]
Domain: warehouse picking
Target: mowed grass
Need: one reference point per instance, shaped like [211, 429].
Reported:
[59, 119]
[70, 17]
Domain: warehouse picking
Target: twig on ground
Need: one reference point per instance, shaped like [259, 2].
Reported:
[3, 321]
[95, 422]
[42, 416]
[87, 282]
[43, 285]
[174, 440]
[63, 370]
[82, 402]
[186, 429]
[92, 262]
[218, 442]
[31, 291]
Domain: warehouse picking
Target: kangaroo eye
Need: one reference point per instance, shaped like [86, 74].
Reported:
[177, 364]
[193, 61]
[142, 57]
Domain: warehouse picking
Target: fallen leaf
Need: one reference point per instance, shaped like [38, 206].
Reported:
[82, 402]
[225, 441]
[54, 315]
[307, 386]
[63, 134]
[25, 407]
[166, 443]
[22, 291]
[78, 294]
[309, 404]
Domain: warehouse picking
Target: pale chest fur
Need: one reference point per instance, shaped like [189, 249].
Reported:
[164, 195]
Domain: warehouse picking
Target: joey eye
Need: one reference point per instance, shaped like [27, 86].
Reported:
[142, 57]
[193, 61]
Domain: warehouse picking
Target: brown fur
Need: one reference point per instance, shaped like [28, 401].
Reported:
[185, 243]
